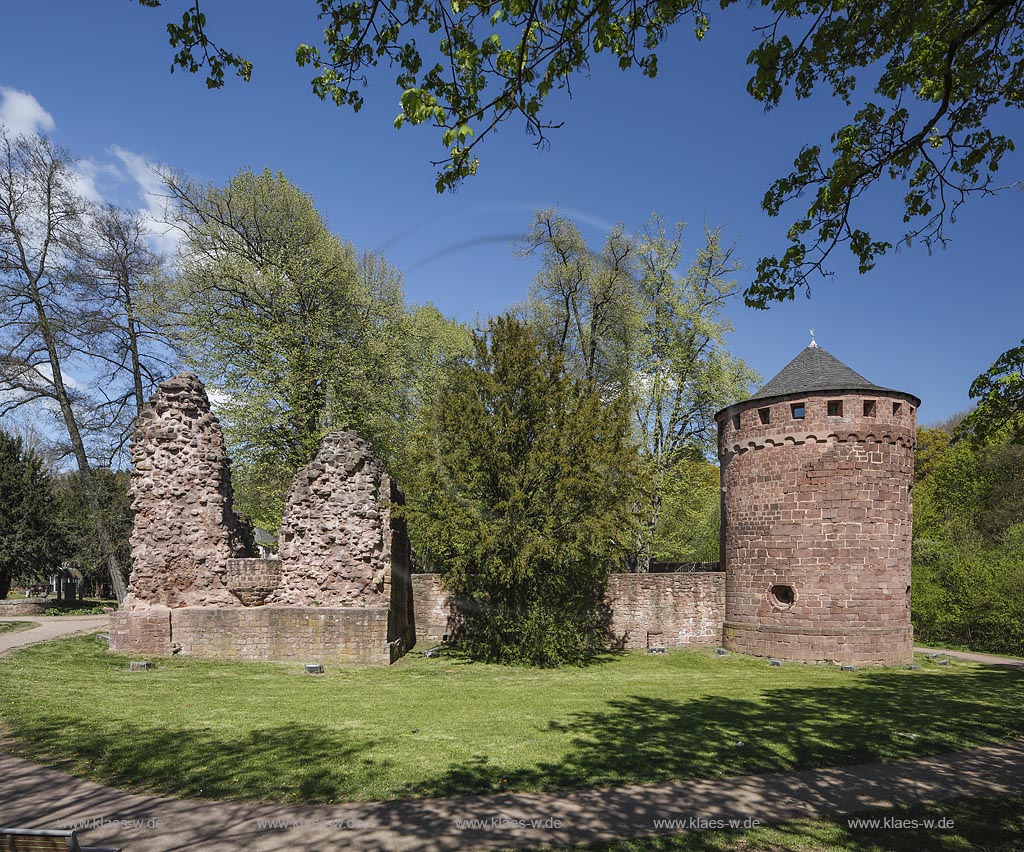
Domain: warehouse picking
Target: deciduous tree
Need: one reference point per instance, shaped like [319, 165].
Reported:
[45, 319]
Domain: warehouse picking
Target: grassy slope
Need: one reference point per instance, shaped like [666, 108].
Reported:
[443, 726]
[989, 825]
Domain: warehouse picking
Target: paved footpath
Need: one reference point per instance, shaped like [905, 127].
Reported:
[37, 796]
[47, 628]
[970, 656]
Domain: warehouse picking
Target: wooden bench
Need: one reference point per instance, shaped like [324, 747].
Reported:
[45, 840]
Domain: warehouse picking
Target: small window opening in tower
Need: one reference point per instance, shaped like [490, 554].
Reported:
[765, 414]
[782, 595]
[897, 407]
[835, 408]
[736, 422]
[798, 410]
[869, 408]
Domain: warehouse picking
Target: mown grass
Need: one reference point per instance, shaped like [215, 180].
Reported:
[11, 626]
[978, 825]
[435, 727]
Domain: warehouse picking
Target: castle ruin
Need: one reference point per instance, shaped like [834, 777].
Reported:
[816, 483]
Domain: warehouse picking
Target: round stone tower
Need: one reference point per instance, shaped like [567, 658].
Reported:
[817, 476]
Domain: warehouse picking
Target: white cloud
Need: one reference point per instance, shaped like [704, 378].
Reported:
[90, 174]
[23, 114]
[153, 195]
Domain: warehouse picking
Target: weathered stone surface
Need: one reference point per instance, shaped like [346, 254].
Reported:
[337, 540]
[821, 505]
[185, 528]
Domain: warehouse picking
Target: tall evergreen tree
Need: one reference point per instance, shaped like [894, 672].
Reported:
[524, 496]
[30, 544]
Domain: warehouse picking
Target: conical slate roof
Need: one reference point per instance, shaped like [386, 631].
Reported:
[814, 369]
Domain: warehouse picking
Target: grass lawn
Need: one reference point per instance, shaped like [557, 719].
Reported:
[11, 626]
[992, 825]
[434, 727]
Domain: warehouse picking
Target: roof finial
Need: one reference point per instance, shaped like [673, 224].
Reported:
[813, 344]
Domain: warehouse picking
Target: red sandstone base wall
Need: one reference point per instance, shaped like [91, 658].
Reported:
[666, 610]
[863, 647]
[269, 633]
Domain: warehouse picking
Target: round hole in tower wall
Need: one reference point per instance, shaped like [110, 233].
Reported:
[782, 596]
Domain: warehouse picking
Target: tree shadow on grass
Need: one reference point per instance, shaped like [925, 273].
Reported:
[883, 716]
[295, 763]
[872, 716]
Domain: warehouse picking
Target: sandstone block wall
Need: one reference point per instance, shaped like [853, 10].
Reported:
[142, 631]
[667, 610]
[820, 506]
[185, 527]
[436, 610]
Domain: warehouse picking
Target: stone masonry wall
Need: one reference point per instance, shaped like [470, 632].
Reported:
[436, 615]
[667, 610]
[820, 508]
[335, 540]
[185, 528]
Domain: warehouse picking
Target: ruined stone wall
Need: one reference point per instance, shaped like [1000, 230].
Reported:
[336, 537]
[817, 527]
[666, 610]
[185, 528]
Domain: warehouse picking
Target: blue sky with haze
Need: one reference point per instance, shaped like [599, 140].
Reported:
[690, 145]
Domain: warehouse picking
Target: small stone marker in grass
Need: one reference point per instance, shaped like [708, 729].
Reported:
[314, 668]
[139, 666]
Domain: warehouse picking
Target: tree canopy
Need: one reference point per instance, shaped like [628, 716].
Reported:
[296, 333]
[939, 73]
[1000, 394]
[626, 318]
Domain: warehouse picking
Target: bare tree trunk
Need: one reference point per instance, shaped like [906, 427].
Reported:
[78, 449]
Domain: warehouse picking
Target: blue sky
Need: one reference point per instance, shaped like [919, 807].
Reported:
[690, 145]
